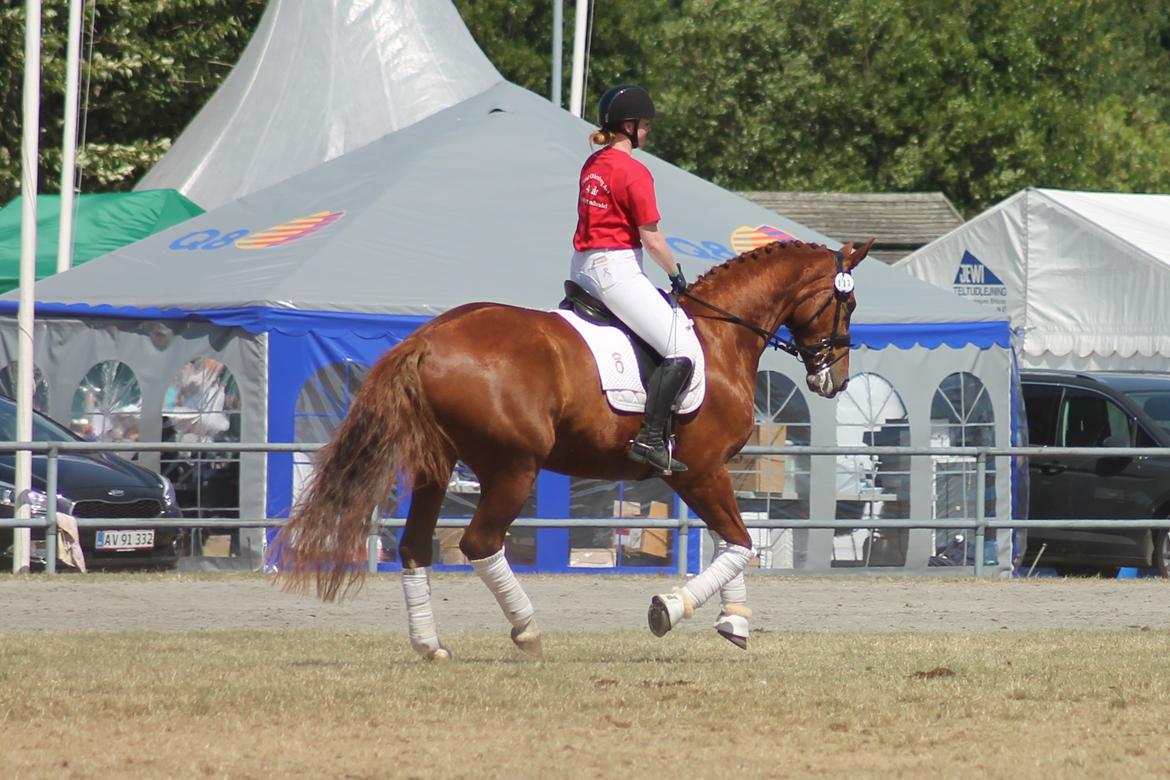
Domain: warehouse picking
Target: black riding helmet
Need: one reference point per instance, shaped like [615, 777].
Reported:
[623, 103]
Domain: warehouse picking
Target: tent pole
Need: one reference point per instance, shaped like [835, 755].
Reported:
[69, 149]
[577, 87]
[21, 537]
[558, 26]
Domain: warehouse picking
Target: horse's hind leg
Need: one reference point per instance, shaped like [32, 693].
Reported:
[415, 552]
[502, 495]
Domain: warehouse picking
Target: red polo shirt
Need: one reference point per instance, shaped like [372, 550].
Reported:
[616, 197]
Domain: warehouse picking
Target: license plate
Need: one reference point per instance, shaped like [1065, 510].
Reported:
[125, 540]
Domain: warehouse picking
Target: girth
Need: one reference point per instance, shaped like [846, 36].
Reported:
[578, 300]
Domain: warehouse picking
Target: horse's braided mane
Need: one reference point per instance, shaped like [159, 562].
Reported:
[748, 257]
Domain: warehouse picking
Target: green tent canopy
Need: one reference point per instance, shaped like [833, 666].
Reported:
[102, 223]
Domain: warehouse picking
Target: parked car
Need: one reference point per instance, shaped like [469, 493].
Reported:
[1099, 409]
[91, 485]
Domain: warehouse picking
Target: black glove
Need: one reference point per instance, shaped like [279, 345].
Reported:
[678, 282]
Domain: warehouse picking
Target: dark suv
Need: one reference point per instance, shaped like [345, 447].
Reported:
[1099, 409]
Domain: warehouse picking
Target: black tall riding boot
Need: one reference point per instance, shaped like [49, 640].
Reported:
[663, 388]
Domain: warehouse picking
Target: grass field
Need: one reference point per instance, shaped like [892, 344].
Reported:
[314, 703]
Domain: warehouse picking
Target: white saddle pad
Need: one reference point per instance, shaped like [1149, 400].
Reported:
[617, 367]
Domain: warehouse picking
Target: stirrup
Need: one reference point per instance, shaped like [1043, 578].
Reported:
[658, 455]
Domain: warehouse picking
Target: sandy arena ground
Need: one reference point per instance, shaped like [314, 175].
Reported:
[583, 603]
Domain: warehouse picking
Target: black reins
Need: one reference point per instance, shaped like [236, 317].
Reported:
[819, 351]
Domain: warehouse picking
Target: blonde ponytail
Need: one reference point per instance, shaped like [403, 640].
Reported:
[601, 137]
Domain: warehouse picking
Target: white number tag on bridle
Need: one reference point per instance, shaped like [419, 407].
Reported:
[843, 283]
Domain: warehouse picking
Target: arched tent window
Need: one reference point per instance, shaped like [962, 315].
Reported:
[321, 405]
[8, 377]
[107, 405]
[776, 486]
[325, 398]
[202, 404]
[961, 415]
[869, 488]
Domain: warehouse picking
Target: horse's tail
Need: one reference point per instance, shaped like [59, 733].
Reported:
[390, 430]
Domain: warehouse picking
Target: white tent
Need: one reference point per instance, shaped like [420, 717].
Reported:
[319, 79]
[1084, 277]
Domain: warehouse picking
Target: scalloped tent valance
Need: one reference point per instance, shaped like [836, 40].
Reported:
[1083, 276]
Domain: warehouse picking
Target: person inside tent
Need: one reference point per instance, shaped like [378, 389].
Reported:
[617, 220]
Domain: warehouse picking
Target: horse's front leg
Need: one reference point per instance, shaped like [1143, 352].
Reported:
[734, 614]
[711, 497]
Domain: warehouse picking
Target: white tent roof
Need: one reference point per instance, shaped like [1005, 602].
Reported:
[319, 79]
[1083, 276]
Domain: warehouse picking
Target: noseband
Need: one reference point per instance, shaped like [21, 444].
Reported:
[820, 352]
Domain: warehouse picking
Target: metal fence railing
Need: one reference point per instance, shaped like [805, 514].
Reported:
[980, 523]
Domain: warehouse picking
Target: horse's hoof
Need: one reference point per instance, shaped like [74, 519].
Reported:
[734, 628]
[666, 610]
[528, 640]
[439, 655]
[432, 650]
[738, 641]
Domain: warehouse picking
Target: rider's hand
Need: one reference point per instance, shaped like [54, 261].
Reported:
[678, 282]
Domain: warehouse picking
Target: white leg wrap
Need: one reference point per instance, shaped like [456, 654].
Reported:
[735, 591]
[497, 575]
[727, 565]
[420, 619]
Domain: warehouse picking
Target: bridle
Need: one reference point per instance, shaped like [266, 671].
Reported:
[818, 353]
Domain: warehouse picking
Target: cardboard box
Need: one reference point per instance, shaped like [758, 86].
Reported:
[626, 508]
[655, 542]
[592, 557]
[655, 509]
[760, 473]
[449, 552]
[658, 509]
[647, 541]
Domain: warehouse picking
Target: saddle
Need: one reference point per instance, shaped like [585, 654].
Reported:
[578, 300]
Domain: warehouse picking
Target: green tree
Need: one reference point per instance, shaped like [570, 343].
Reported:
[154, 63]
[976, 98]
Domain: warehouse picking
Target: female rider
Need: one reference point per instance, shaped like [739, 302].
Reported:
[617, 218]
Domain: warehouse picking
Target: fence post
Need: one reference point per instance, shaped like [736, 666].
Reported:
[51, 512]
[980, 510]
[372, 541]
[684, 533]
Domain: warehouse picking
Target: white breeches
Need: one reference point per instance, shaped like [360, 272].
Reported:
[615, 277]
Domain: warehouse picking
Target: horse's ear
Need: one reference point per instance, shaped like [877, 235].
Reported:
[854, 254]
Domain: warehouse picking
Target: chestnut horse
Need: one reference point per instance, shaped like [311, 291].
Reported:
[511, 391]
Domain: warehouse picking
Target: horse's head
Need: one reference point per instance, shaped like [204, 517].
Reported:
[820, 321]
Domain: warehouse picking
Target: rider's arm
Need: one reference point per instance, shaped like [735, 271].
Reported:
[655, 243]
